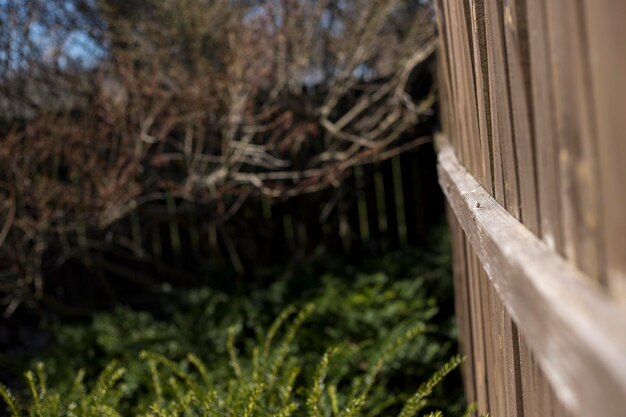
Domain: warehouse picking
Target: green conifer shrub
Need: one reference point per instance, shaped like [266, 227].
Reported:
[262, 384]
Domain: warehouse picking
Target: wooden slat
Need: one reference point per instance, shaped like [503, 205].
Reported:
[504, 148]
[393, 233]
[606, 35]
[516, 36]
[545, 140]
[481, 84]
[462, 30]
[504, 133]
[511, 378]
[445, 80]
[371, 205]
[576, 333]
[529, 388]
[495, 366]
[462, 303]
[461, 139]
[478, 324]
[537, 395]
[575, 132]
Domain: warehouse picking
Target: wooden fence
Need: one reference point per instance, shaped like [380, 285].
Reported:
[532, 159]
[379, 207]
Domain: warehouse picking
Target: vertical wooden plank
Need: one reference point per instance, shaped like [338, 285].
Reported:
[493, 366]
[606, 39]
[462, 303]
[545, 393]
[352, 212]
[444, 80]
[518, 64]
[478, 332]
[493, 139]
[448, 44]
[461, 143]
[513, 371]
[467, 319]
[369, 190]
[536, 398]
[575, 131]
[500, 107]
[500, 403]
[396, 166]
[529, 389]
[516, 39]
[473, 133]
[503, 356]
[481, 86]
[505, 148]
[543, 117]
[361, 204]
[393, 233]
[544, 397]
[461, 19]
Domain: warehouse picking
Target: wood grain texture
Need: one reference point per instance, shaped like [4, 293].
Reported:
[546, 146]
[575, 132]
[463, 312]
[500, 111]
[497, 405]
[479, 323]
[462, 21]
[443, 76]
[529, 388]
[576, 334]
[448, 42]
[606, 35]
[518, 63]
[481, 82]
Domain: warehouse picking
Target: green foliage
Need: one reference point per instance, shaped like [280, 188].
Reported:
[260, 384]
[214, 335]
[9, 400]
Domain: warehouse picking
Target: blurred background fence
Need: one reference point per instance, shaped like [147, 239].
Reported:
[379, 207]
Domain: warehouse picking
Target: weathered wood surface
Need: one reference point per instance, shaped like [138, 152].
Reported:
[533, 102]
[577, 334]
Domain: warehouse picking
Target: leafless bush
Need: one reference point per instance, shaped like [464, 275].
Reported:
[111, 104]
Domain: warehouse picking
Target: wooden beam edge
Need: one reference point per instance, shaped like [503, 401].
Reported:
[574, 329]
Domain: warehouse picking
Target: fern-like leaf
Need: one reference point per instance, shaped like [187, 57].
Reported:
[418, 400]
[317, 388]
[9, 400]
[232, 351]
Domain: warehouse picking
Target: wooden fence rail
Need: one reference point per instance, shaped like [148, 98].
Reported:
[532, 161]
